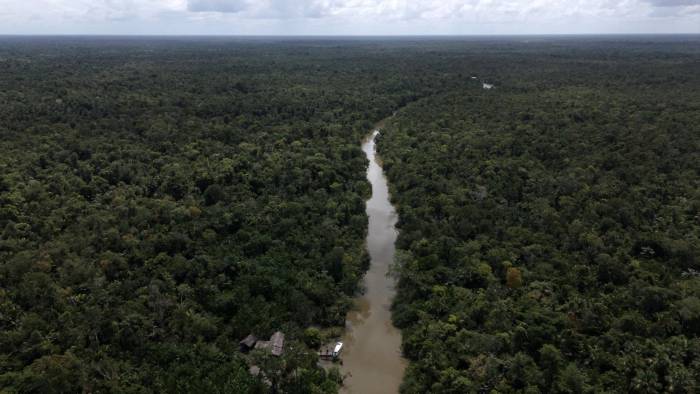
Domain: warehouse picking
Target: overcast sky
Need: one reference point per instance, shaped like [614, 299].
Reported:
[348, 17]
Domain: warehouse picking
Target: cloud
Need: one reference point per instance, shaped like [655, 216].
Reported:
[674, 8]
[272, 9]
[432, 10]
[283, 9]
[399, 10]
[349, 16]
[111, 10]
[673, 3]
[227, 6]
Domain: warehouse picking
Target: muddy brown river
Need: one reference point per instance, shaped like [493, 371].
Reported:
[371, 355]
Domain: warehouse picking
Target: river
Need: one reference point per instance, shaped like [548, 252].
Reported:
[371, 356]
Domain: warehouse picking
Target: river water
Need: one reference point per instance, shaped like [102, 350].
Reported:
[371, 355]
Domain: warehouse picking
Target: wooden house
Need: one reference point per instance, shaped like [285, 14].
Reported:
[248, 343]
[275, 345]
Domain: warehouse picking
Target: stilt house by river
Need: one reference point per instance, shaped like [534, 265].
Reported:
[275, 345]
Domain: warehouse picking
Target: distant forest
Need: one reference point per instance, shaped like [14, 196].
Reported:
[162, 198]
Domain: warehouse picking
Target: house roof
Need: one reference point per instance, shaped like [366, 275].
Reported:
[249, 341]
[262, 345]
[277, 343]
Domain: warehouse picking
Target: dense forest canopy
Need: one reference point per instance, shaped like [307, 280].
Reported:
[162, 198]
[550, 226]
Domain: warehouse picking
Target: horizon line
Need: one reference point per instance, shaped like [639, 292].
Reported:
[341, 35]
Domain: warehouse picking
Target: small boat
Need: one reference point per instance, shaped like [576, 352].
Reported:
[337, 349]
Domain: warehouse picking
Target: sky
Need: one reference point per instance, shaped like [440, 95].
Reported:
[348, 17]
